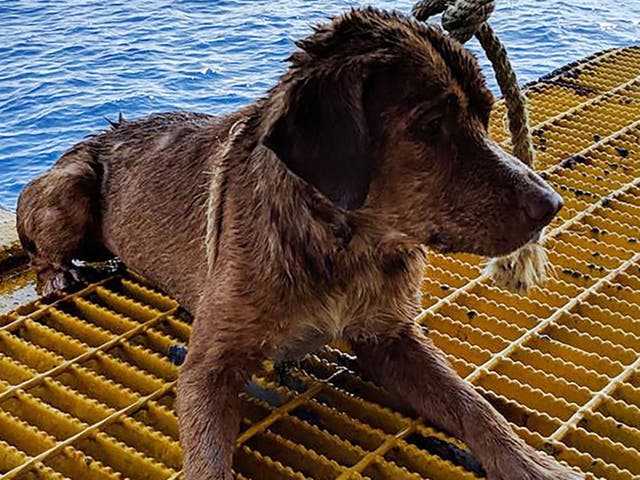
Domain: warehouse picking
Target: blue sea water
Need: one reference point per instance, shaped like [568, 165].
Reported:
[67, 64]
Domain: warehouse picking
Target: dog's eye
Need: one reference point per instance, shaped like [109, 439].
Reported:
[431, 128]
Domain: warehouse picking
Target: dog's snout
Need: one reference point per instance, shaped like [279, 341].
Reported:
[541, 207]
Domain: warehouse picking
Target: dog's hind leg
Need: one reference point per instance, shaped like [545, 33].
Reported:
[58, 218]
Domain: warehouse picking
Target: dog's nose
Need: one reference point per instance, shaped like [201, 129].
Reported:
[541, 208]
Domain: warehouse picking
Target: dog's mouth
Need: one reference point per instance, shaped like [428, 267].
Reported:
[536, 236]
[446, 243]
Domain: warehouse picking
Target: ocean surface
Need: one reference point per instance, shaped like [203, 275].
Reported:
[65, 65]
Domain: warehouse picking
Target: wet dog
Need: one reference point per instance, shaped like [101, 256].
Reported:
[304, 218]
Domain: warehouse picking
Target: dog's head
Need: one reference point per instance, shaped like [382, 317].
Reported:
[382, 113]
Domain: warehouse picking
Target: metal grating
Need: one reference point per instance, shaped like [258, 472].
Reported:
[87, 386]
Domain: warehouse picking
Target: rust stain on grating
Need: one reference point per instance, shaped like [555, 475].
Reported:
[87, 387]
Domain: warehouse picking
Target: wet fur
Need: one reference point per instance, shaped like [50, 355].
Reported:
[303, 218]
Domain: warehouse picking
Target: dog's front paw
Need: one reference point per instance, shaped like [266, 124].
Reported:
[532, 466]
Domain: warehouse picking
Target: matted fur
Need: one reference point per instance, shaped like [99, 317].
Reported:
[216, 194]
[305, 222]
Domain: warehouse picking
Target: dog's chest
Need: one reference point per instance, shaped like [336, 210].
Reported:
[361, 307]
[317, 325]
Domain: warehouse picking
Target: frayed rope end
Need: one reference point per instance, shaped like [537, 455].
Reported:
[521, 270]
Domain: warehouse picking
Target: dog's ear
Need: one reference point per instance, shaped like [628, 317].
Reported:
[321, 134]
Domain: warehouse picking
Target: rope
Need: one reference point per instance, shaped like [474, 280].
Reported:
[513, 97]
[524, 268]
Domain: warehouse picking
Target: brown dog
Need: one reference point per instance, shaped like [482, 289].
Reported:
[302, 218]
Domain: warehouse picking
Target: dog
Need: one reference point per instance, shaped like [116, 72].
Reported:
[306, 217]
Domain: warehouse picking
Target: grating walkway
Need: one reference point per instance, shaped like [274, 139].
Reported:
[87, 389]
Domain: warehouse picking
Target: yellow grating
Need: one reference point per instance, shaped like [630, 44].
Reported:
[87, 388]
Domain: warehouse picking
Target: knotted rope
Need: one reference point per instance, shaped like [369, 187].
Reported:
[463, 19]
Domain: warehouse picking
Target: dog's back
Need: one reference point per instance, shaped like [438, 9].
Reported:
[151, 175]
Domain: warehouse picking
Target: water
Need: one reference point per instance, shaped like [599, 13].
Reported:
[67, 64]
